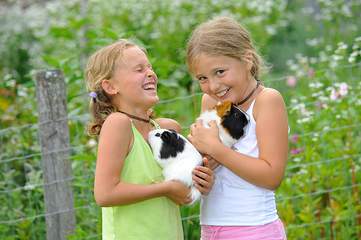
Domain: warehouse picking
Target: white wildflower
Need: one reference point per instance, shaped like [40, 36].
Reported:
[337, 57]
[342, 45]
[328, 48]
[91, 143]
[343, 89]
[29, 187]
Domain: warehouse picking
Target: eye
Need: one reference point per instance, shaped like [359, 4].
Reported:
[139, 68]
[202, 79]
[220, 72]
[157, 134]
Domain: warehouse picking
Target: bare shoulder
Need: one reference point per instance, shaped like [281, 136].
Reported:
[270, 96]
[116, 122]
[168, 123]
[207, 102]
[271, 100]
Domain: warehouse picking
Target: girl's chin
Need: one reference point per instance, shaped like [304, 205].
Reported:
[156, 99]
[226, 98]
[151, 93]
[153, 99]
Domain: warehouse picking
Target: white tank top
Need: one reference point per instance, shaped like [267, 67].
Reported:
[233, 201]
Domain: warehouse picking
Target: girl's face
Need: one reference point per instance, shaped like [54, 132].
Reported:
[222, 77]
[135, 80]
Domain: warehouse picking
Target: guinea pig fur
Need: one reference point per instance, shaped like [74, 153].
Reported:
[231, 121]
[177, 156]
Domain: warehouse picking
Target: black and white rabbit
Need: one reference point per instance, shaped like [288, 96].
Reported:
[177, 156]
[232, 122]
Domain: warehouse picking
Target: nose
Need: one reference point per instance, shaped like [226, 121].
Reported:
[213, 85]
[151, 73]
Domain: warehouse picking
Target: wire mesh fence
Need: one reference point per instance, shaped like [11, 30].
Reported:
[84, 154]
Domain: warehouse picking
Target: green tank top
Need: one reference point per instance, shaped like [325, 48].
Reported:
[156, 218]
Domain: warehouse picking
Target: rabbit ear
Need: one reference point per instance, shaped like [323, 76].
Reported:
[223, 108]
[166, 136]
[170, 137]
[172, 144]
[174, 135]
[172, 130]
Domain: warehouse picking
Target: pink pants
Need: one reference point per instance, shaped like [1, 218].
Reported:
[269, 231]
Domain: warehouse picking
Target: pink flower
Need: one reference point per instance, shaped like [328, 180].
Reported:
[311, 73]
[334, 94]
[296, 151]
[291, 81]
[320, 105]
[294, 138]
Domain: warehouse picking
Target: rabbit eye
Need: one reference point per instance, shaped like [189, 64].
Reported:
[157, 134]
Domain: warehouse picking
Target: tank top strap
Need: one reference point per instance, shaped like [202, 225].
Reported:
[154, 123]
[250, 108]
[151, 121]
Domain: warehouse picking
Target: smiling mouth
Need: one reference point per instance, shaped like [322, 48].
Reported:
[149, 86]
[222, 93]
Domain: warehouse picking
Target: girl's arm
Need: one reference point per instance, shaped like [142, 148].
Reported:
[272, 135]
[208, 103]
[115, 140]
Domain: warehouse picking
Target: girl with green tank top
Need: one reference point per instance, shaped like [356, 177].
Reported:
[136, 203]
[140, 167]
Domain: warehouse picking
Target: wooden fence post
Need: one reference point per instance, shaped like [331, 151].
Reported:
[55, 149]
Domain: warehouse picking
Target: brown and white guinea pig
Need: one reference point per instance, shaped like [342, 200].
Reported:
[231, 121]
[177, 156]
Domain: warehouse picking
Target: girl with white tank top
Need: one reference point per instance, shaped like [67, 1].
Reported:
[233, 201]
[241, 204]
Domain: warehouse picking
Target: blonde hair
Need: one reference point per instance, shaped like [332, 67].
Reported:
[223, 36]
[101, 65]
